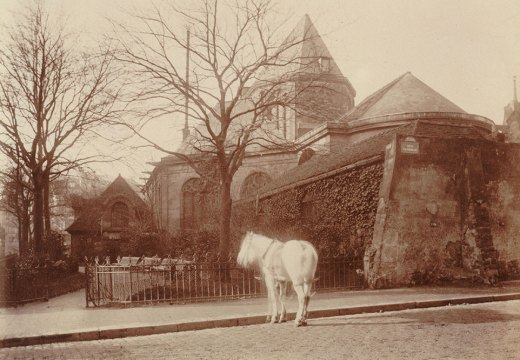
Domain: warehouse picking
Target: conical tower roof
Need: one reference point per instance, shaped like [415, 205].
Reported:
[298, 56]
[301, 50]
[406, 94]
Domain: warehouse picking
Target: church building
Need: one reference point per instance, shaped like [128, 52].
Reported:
[179, 196]
[406, 181]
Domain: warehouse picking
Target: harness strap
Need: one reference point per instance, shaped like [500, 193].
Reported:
[266, 250]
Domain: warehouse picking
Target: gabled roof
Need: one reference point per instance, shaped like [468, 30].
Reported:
[120, 187]
[89, 219]
[406, 94]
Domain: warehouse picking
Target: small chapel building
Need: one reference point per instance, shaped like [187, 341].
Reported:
[100, 223]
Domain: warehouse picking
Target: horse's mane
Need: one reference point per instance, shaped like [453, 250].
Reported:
[265, 237]
[262, 236]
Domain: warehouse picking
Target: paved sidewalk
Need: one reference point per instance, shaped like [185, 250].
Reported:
[66, 318]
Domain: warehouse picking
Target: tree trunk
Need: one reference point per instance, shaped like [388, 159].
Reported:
[225, 219]
[46, 203]
[38, 210]
[24, 223]
[23, 216]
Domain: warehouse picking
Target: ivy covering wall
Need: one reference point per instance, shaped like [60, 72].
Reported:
[336, 214]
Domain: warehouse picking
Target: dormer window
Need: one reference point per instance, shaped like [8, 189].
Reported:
[324, 63]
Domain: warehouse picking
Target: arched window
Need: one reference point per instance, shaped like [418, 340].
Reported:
[194, 204]
[120, 214]
[252, 183]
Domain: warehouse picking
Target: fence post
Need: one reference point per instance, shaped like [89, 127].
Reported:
[130, 274]
[111, 284]
[46, 288]
[14, 291]
[87, 284]
[97, 283]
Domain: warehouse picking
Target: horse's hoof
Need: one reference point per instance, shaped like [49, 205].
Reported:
[282, 321]
[300, 323]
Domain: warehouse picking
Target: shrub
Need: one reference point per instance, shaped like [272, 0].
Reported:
[54, 245]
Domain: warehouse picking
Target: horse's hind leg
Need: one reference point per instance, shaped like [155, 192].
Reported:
[301, 303]
[306, 299]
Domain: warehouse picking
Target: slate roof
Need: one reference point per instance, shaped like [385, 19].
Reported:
[88, 221]
[320, 164]
[308, 46]
[366, 149]
[406, 94]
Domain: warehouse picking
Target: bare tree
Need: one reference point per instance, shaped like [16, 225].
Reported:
[52, 98]
[241, 75]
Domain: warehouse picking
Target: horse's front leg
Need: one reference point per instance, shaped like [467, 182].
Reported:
[271, 295]
[283, 292]
[268, 316]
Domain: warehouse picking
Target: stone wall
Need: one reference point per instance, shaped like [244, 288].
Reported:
[335, 213]
[503, 203]
[440, 207]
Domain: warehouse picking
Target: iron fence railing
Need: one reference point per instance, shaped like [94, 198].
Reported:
[18, 286]
[151, 281]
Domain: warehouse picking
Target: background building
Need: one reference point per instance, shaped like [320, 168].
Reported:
[100, 222]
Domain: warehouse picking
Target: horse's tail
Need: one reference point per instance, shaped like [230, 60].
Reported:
[311, 256]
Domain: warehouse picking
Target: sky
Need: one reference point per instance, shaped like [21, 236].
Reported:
[467, 50]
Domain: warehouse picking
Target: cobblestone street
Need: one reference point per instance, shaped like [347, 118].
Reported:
[483, 331]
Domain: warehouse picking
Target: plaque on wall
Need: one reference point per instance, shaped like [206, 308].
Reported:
[409, 146]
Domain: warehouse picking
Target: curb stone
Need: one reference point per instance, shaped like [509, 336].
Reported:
[242, 321]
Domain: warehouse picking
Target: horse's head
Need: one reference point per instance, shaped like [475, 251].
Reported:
[246, 254]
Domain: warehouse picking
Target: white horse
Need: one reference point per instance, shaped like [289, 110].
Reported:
[293, 261]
